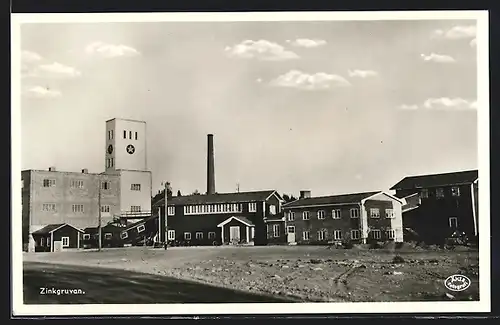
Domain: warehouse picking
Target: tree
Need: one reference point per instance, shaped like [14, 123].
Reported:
[288, 198]
[179, 193]
[196, 192]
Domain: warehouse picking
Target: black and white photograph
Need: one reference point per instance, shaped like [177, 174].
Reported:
[226, 163]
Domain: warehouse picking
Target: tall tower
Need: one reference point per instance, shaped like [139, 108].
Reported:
[126, 156]
[125, 145]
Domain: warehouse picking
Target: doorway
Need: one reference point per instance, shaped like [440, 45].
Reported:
[234, 234]
[291, 234]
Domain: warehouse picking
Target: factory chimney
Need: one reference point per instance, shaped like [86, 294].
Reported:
[210, 165]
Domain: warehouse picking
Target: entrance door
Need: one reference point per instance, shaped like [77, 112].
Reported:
[291, 234]
[234, 234]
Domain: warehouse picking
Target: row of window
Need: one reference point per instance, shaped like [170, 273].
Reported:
[337, 214]
[439, 192]
[218, 208]
[64, 240]
[107, 235]
[110, 162]
[273, 230]
[187, 235]
[78, 183]
[338, 234]
[111, 134]
[80, 208]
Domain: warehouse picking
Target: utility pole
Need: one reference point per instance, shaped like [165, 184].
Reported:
[238, 187]
[165, 234]
[99, 207]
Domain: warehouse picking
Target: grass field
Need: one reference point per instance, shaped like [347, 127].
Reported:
[308, 273]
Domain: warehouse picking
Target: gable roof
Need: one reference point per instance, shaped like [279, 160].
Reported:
[332, 199]
[243, 220]
[96, 229]
[48, 229]
[433, 180]
[218, 198]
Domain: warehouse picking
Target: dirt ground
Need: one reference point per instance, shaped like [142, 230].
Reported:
[306, 273]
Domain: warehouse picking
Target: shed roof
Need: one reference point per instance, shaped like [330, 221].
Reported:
[332, 199]
[218, 198]
[433, 180]
[48, 229]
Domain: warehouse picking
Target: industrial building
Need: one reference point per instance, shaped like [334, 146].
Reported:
[437, 205]
[356, 217]
[80, 199]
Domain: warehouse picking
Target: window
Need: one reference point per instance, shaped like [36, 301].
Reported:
[135, 208]
[104, 185]
[337, 234]
[305, 235]
[108, 235]
[124, 134]
[105, 208]
[291, 229]
[76, 183]
[439, 192]
[291, 216]
[187, 236]
[321, 214]
[136, 135]
[171, 211]
[211, 235]
[77, 208]
[272, 209]
[109, 135]
[65, 241]
[112, 162]
[86, 236]
[171, 235]
[355, 234]
[374, 213]
[49, 182]
[112, 135]
[389, 213]
[108, 163]
[390, 233]
[42, 241]
[453, 222]
[424, 193]
[130, 135]
[252, 207]
[199, 235]
[276, 231]
[22, 183]
[322, 235]
[336, 214]
[141, 228]
[305, 215]
[376, 234]
[51, 207]
[355, 213]
[455, 191]
[124, 235]
[135, 187]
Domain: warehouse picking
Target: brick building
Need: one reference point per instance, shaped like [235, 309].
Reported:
[439, 204]
[51, 197]
[357, 217]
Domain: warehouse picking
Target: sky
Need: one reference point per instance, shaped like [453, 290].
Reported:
[329, 106]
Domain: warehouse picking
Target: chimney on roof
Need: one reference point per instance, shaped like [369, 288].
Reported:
[210, 165]
[305, 194]
[85, 171]
[52, 169]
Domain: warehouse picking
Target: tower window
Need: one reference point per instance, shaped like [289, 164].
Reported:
[130, 135]
[111, 134]
[124, 134]
[136, 135]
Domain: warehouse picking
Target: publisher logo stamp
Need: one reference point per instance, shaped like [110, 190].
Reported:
[457, 282]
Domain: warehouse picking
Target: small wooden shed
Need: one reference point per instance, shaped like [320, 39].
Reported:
[61, 235]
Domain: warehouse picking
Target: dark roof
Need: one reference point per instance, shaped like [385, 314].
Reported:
[332, 199]
[138, 223]
[433, 180]
[244, 220]
[95, 229]
[50, 228]
[218, 198]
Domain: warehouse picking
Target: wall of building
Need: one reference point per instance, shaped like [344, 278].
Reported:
[383, 202]
[314, 225]
[63, 195]
[73, 234]
[281, 239]
[122, 158]
[129, 197]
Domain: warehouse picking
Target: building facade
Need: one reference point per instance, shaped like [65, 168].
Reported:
[439, 204]
[51, 197]
[202, 219]
[357, 218]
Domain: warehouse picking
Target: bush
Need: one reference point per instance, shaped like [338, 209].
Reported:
[347, 244]
[398, 260]
[399, 245]
[376, 245]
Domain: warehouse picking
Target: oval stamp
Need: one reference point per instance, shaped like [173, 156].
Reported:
[457, 282]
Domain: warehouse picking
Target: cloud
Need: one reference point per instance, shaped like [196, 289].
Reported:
[438, 58]
[443, 103]
[261, 50]
[309, 43]
[28, 57]
[362, 73]
[110, 50]
[317, 81]
[57, 70]
[42, 92]
[473, 42]
[455, 33]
